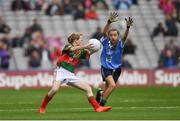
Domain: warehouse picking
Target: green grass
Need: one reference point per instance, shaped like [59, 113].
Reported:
[128, 103]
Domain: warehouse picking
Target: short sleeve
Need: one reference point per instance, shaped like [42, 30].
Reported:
[66, 48]
[103, 38]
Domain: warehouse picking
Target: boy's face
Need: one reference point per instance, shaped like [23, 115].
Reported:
[114, 36]
[79, 41]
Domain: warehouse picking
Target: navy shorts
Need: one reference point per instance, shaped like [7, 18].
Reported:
[114, 72]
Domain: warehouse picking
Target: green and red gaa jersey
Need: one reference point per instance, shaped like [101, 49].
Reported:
[69, 60]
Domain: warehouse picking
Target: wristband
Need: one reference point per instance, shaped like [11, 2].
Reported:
[109, 22]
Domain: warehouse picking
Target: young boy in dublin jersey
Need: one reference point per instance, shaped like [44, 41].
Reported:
[111, 56]
[64, 72]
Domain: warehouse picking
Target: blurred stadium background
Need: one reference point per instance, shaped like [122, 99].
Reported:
[33, 29]
[33, 33]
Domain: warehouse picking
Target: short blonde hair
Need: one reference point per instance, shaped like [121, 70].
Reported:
[74, 36]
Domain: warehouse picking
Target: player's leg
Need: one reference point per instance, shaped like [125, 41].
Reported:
[85, 87]
[101, 90]
[59, 77]
[99, 94]
[104, 73]
[110, 85]
[116, 74]
[49, 96]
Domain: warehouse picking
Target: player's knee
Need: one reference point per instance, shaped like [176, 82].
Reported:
[112, 86]
[88, 89]
[54, 90]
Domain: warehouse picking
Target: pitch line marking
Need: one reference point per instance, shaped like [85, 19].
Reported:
[122, 100]
[69, 109]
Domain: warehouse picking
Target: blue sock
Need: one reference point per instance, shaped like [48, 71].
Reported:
[102, 102]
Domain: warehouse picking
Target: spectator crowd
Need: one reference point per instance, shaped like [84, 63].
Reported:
[80, 9]
[169, 56]
[40, 48]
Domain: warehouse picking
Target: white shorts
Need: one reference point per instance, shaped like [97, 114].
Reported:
[64, 76]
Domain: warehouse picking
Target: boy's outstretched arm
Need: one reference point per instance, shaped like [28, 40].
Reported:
[112, 18]
[86, 46]
[129, 23]
[76, 48]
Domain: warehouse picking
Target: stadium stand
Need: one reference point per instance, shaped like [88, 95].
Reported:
[146, 14]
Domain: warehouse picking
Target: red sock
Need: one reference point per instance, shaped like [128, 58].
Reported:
[45, 101]
[93, 102]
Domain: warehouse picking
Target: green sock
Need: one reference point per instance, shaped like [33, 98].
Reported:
[98, 95]
[102, 102]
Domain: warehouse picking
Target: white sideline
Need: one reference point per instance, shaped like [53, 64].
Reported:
[70, 109]
[122, 100]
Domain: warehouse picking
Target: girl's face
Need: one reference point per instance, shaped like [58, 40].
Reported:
[114, 36]
[79, 41]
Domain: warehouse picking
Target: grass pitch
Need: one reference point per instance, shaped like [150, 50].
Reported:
[127, 102]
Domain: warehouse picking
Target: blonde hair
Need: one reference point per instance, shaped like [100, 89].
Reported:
[74, 36]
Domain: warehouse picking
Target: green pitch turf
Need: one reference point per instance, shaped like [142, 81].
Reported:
[128, 103]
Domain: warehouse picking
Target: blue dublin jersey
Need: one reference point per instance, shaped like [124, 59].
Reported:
[111, 58]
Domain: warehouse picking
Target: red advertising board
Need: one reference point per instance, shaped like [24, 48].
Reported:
[41, 79]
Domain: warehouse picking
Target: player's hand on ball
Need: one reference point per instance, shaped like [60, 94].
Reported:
[89, 46]
[113, 17]
[129, 22]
